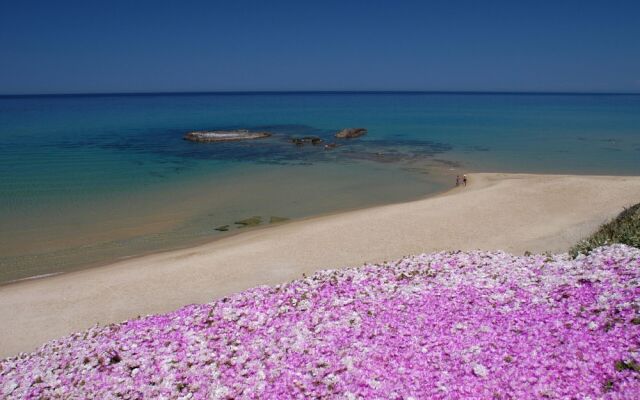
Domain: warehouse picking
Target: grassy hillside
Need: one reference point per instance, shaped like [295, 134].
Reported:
[625, 228]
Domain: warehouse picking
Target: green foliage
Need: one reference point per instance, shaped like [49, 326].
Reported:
[625, 229]
[631, 365]
[607, 386]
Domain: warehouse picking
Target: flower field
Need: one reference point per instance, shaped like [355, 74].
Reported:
[476, 325]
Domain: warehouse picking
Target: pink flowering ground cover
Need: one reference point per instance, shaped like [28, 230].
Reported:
[478, 325]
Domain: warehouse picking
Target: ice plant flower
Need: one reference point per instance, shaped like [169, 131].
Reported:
[462, 325]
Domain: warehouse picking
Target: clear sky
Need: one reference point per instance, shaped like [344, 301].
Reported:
[144, 46]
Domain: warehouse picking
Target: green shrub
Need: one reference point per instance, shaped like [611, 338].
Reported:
[625, 228]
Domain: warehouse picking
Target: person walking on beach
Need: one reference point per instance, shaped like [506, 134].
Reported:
[457, 180]
[464, 179]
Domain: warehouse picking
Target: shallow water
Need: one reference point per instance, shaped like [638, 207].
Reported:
[91, 179]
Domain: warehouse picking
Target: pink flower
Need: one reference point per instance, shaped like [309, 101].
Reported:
[442, 325]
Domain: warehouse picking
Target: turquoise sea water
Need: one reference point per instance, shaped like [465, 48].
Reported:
[91, 179]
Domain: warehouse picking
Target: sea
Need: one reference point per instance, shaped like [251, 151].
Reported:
[87, 180]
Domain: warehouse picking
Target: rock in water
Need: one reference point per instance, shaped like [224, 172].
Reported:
[224, 136]
[253, 221]
[314, 140]
[350, 133]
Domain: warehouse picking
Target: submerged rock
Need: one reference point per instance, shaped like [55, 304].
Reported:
[275, 220]
[349, 133]
[222, 228]
[314, 140]
[224, 136]
[253, 221]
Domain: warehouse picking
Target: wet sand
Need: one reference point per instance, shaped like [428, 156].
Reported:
[511, 212]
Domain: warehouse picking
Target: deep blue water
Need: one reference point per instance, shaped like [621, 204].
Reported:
[101, 167]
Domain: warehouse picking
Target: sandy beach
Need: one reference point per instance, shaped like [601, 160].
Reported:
[511, 212]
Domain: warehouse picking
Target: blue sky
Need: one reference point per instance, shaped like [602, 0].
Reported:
[145, 46]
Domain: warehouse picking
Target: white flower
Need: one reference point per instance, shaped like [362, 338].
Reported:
[304, 305]
[219, 392]
[374, 384]
[9, 388]
[480, 370]
[460, 326]
[348, 362]
[443, 388]
[330, 379]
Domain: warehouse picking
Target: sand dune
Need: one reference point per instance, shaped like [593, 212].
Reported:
[496, 211]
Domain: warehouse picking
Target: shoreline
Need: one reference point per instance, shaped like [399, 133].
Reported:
[441, 178]
[496, 211]
[187, 216]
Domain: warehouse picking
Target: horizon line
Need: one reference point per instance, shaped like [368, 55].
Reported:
[294, 92]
